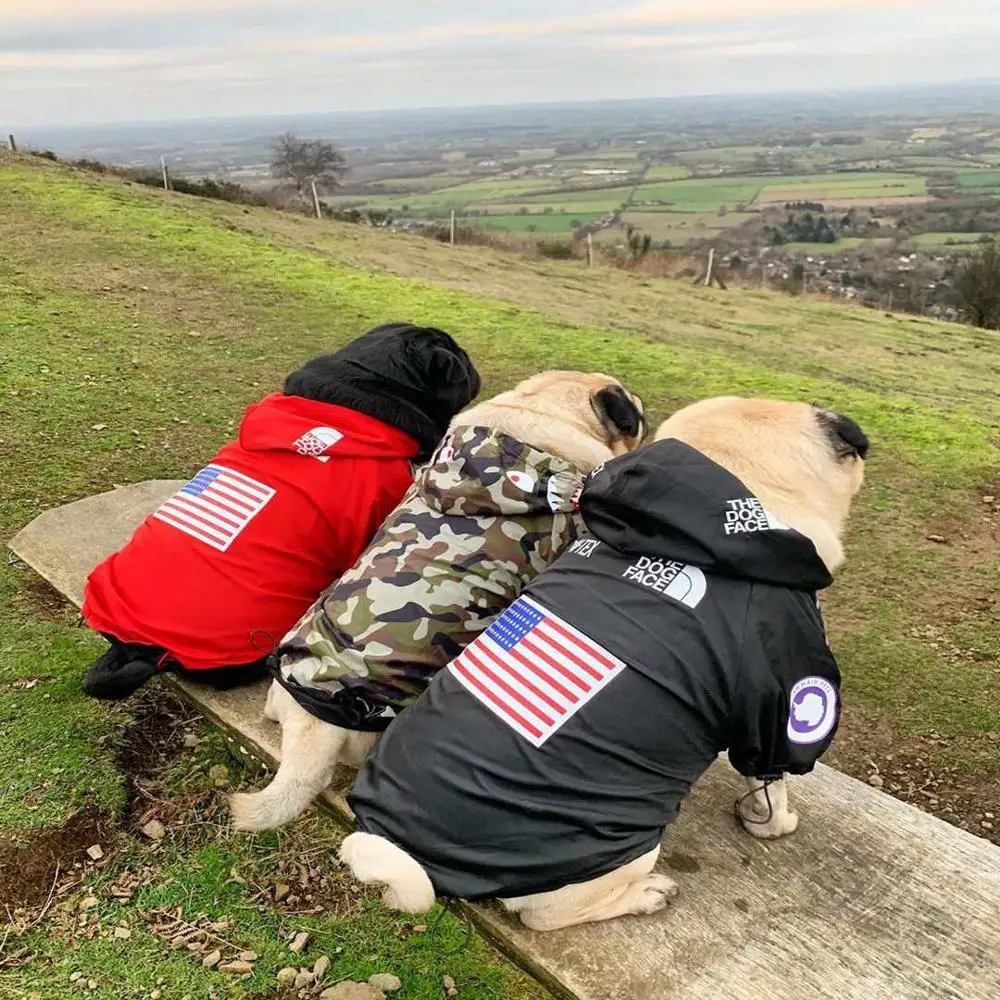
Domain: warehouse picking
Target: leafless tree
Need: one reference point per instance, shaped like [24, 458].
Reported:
[302, 161]
[978, 286]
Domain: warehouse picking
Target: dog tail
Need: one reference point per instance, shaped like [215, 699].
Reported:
[375, 859]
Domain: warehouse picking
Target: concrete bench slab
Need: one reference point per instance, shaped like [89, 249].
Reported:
[870, 900]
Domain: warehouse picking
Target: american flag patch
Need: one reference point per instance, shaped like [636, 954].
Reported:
[534, 670]
[215, 506]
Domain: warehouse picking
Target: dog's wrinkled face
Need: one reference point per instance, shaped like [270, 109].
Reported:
[794, 450]
[592, 401]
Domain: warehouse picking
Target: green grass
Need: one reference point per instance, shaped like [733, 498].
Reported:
[681, 227]
[666, 173]
[161, 317]
[696, 195]
[708, 194]
[948, 240]
[978, 180]
[844, 243]
[561, 222]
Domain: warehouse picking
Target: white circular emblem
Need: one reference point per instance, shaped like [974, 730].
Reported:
[812, 710]
[522, 481]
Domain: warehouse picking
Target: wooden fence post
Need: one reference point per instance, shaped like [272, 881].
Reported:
[316, 205]
[13, 145]
[711, 265]
[166, 174]
[451, 229]
[590, 248]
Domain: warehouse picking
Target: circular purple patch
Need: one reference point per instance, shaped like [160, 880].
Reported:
[812, 710]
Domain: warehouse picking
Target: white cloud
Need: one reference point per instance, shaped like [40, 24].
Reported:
[111, 59]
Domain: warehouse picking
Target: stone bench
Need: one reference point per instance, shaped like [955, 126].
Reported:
[871, 899]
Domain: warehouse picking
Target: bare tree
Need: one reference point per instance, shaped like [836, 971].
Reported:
[302, 161]
[978, 286]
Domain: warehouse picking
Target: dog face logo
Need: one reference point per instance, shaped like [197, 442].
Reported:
[748, 516]
[685, 584]
[812, 711]
[317, 441]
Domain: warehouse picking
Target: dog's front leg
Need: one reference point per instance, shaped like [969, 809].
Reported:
[764, 811]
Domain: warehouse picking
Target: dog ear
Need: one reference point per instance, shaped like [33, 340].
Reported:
[846, 437]
[617, 413]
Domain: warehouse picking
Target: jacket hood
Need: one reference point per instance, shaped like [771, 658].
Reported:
[477, 472]
[288, 423]
[411, 377]
[670, 501]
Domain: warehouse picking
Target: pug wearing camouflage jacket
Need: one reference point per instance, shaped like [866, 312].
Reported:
[491, 510]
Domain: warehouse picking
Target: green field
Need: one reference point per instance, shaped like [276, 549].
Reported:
[979, 180]
[137, 325]
[698, 195]
[553, 222]
[958, 241]
[667, 173]
[680, 227]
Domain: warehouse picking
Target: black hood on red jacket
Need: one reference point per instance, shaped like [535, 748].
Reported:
[671, 501]
[410, 377]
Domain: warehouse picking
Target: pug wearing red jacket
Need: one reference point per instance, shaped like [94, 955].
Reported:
[212, 580]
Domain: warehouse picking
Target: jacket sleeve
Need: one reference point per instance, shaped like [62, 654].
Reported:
[786, 707]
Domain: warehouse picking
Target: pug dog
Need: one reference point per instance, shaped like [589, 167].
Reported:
[491, 510]
[212, 580]
[542, 766]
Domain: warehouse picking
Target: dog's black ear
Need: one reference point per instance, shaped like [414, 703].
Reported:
[847, 438]
[617, 412]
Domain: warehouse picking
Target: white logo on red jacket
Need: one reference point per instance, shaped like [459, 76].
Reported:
[317, 441]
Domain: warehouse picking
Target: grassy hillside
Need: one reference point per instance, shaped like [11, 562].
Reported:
[134, 327]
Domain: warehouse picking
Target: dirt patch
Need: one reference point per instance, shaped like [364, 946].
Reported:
[31, 860]
[909, 769]
[43, 602]
[152, 740]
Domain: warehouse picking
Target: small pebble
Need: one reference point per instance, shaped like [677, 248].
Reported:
[937, 539]
[236, 968]
[386, 982]
[95, 852]
[351, 991]
[156, 995]
[249, 956]
[212, 959]
[321, 968]
[190, 741]
[91, 984]
[299, 941]
[75, 976]
[303, 979]
[155, 830]
[287, 974]
[122, 933]
[281, 891]
[876, 781]
[219, 775]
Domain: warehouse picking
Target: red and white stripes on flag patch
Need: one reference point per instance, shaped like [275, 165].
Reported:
[533, 670]
[215, 506]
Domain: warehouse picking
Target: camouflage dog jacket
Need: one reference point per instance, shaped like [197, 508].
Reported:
[484, 517]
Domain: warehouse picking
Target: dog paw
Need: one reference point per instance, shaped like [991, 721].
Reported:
[780, 825]
[653, 893]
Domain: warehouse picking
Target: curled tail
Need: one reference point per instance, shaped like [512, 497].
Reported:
[375, 859]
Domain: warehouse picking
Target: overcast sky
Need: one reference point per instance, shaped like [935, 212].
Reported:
[68, 61]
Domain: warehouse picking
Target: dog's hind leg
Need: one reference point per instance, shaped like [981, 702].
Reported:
[309, 753]
[631, 889]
